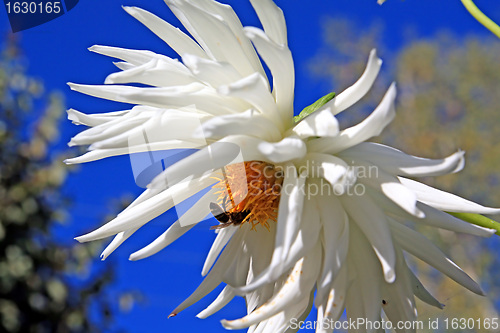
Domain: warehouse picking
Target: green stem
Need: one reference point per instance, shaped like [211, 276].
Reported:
[483, 19]
[479, 220]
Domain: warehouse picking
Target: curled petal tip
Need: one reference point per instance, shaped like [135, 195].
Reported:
[419, 214]
[133, 257]
[393, 85]
[93, 48]
[80, 239]
[373, 55]
[226, 323]
[173, 314]
[390, 276]
[69, 161]
[131, 10]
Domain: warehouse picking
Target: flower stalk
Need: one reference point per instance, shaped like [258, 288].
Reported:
[481, 17]
[479, 220]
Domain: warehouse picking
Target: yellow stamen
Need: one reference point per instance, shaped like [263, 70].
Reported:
[251, 186]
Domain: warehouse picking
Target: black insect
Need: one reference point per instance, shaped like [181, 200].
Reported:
[226, 218]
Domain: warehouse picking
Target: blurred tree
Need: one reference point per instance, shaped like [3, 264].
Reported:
[448, 99]
[40, 290]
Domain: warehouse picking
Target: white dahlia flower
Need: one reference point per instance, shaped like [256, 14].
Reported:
[309, 213]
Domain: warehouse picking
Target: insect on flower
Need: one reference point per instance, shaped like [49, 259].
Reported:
[226, 218]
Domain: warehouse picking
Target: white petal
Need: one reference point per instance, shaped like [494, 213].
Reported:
[359, 89]
[214, 73]
[433, 217]
[281, 322]
[250, 122]
[390, 186]
[422, 293]
[334, 305]
[117, 241]
[279, 60]
[237, 273]
[110, 128]
[226, 295]
[320, 123]
[210, 158]
[403, 197]
[123, 65]
[372, 126]
[214, 278]
[231, 19]
[272, 19]
[215, 35]
[230, 150]
[307, 238]
[161, 127]
[253, 90]
[80, 118]
[195, 214]
[174, 37]
[290, 148]
[156, 72]
[134, 57]
[174, 232]
[289, 216]
[329, 167]
[419, 246]
[220, 241]
[146, 147]
[335, 237]
[258, 297]
[149, 209]
[373, 222]
[398, 302]
[297, 287]
[398, 163]
[363, 297]
[439, 219]
[146, 195]
[260, 246]
[445, 201]
[203, 98]
[253, 149]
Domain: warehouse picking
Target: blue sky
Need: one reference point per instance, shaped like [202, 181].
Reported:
[57, 53]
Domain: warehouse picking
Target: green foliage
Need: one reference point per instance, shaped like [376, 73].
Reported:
[314, 107]
[39, 287]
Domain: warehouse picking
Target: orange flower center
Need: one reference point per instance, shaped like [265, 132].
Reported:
[252, 187]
